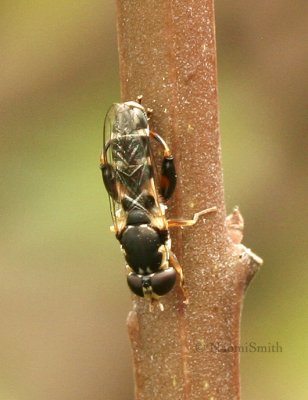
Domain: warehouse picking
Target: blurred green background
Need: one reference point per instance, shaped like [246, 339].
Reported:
[63, 295]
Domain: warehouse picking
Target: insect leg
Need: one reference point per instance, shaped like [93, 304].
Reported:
[177, 266]
[172, 223]
[168, 173]
[108, 174]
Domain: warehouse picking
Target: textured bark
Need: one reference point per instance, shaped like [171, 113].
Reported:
[167, 53]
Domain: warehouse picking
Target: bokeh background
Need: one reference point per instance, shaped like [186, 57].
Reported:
[63, 296]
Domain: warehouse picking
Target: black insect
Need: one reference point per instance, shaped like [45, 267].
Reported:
[137, 206]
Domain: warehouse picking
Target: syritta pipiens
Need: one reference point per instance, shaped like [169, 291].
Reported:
[137, 205]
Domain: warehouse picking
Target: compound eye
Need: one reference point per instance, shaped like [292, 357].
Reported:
[135, 284]
[162, 282]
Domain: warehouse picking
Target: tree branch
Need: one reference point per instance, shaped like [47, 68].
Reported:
[168, 54]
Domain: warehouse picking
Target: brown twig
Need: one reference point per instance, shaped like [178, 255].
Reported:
[167, 53]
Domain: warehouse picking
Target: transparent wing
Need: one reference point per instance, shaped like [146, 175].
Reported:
[127, 149]
[107, 156]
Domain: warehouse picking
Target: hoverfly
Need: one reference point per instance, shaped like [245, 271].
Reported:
[137, 199]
